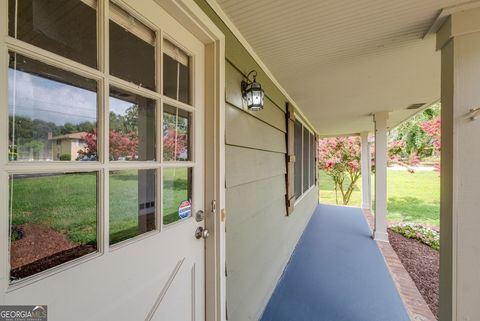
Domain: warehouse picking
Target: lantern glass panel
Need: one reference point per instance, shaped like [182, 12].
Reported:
[257, 97]
[249, 97]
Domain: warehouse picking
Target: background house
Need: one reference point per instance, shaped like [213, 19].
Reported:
[67, 146]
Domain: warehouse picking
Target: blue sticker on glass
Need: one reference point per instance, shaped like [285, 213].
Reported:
[185, 209]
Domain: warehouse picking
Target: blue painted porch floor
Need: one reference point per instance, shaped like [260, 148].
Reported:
[336, 273]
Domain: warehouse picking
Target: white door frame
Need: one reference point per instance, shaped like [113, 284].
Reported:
[199, 24]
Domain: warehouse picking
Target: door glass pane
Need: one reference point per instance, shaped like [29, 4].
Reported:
[177, 194]
[52, 113]
[306, 165]
[184, 83]
[53, 220]
[169, 76]
[176, 73]
[65, 27]
[132, 203]
[176, 134]
[132, 126]
[132, 49]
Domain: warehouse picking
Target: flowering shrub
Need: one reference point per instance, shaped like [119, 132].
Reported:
[433, 129]
[419, 232]
[175, 145]
[121, 145]
[395, 149]
[339, 157]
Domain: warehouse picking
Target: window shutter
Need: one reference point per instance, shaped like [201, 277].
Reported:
[290, 180]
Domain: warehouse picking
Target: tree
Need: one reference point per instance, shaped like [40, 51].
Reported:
[33, 148]
[411, 133]
[68, 128]
[126, 123]
[130, 120]
[339, 157]
[86, 126]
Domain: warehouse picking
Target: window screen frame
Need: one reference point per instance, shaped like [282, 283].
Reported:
[312, 162]
[298, 166]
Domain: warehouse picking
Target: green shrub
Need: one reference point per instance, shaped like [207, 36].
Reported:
[65, 157]
[426, 235]
[16, 233]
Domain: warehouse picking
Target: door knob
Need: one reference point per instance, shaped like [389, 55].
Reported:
[201, 233]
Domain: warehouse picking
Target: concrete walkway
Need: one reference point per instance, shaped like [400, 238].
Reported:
[336, 273]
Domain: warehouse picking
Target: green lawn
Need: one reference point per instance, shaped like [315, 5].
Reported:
[68, 203]
[411, 197]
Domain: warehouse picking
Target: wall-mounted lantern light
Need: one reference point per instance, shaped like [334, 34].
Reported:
[252, 92]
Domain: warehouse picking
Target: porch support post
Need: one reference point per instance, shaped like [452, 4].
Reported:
[459, 42]
[366, 170]
[380, 230]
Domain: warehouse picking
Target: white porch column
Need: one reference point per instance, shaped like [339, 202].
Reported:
[459, 42]
[380, 230]
[366, 170]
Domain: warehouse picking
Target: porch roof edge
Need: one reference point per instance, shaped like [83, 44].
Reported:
[223, 16]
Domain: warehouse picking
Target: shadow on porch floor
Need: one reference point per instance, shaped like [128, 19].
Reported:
[336, 273]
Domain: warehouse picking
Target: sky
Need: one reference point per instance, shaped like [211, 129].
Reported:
[48, 100]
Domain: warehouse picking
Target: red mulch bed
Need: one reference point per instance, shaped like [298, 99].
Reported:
[42, 248]
[423, 265]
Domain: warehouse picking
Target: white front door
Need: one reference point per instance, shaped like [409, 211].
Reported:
[105, 169]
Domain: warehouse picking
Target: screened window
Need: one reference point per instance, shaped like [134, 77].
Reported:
[306, 159]
[305, 162]
[313, 160]
[298, 137]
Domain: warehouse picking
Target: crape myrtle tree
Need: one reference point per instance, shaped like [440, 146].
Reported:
[339, 158]
[409, 143]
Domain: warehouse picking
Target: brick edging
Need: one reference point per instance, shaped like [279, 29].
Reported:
[415, 304]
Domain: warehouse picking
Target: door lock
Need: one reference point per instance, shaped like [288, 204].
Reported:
[201, 233]
[199, 216]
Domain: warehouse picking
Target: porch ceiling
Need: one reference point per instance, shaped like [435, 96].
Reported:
[343, 60]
